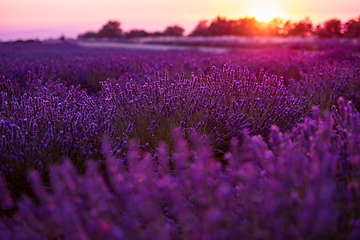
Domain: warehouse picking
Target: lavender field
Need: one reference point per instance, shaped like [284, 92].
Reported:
[250, 143]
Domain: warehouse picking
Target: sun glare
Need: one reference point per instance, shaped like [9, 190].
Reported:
[265, 13]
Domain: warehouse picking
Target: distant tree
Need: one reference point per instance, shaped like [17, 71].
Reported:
[331, 28]
[137, 34]
[237, 28]
[231, 27]
[173, 31]
[156, 34]
[110, 30]
[287, 27]
[319, 31]
[274, 27]
[302, 28]
[249, 27]
[219, 27]
[33, 41]
[352, 28]
[87, 35]
[200, 29]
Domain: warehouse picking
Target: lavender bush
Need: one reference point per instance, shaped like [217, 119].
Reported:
[306, 187]
[50, 120]
[43, 117]
[74, 65]
[255, 153]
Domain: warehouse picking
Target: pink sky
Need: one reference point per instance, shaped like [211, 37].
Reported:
[25, 19]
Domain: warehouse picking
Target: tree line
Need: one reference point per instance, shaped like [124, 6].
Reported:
[277, 27]
[246, 26]
[112, 30]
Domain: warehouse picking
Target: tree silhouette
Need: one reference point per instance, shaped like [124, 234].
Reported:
[173, 31]
[248, 27]
[137, 34]
[156, 34]
[352, 28]
[302, 28]
[274, 27]
[219, 27]
[332, 28]
[200, 29]
[87, 35]
[110, 30]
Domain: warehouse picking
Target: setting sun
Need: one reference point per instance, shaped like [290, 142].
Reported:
[265, 13]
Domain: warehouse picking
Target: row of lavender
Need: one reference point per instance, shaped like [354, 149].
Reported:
[307, 187]
[87, 67]
[43, 120]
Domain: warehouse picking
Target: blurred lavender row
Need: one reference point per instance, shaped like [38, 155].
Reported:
[307, 187]
[254, 154]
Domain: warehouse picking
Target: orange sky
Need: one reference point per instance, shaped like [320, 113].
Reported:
[24, 19]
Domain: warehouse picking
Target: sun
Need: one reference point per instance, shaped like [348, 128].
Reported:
[265, 13]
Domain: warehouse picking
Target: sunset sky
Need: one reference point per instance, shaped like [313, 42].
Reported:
[25, 19]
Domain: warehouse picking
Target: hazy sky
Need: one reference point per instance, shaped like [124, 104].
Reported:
[25, 19]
